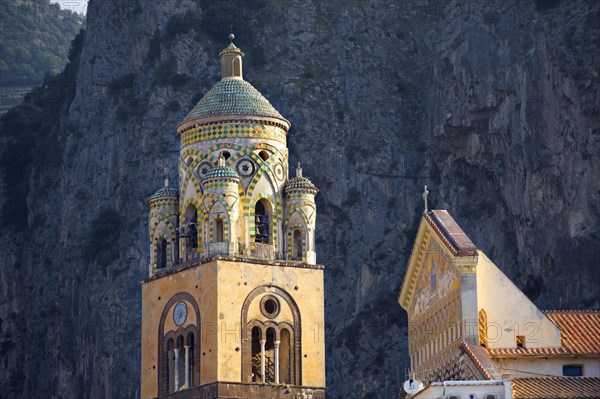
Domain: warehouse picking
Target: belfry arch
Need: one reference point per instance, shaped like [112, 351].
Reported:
[262, 344]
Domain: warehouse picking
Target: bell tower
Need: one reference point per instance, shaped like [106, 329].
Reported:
[233, 306]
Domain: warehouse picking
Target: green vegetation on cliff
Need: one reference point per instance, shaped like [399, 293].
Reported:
[35, 41]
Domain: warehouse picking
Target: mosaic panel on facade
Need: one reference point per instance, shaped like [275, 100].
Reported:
[438, 277]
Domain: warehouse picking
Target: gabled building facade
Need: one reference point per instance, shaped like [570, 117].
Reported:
[468, 322]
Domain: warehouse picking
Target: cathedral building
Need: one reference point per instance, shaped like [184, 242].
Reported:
[233, 306]
[473, 334]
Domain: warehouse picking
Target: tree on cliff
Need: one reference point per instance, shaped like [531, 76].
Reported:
[36, 36]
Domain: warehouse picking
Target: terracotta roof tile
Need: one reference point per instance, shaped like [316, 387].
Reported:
[556, 388]
[579, 331]
[482, 360]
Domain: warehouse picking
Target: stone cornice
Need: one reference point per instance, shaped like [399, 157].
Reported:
[194, 123]
[190, 265]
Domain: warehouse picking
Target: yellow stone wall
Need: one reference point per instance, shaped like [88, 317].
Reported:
[220, 288]
[200, 283]
[308, 297]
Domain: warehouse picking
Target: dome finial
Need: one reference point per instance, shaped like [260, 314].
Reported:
[298, 170]
[221, 160]
[231, 60]
[166, 174]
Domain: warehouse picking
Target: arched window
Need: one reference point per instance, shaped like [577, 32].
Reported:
[189, 161]
[262, 221]
[483, 336]
[272, 339]
[191, 231]
[179, 363]
[285, 357]
[270, 355]
[226, 155]
[219, 237]
[161, 253]
[179, 349]
[256, 355]
[190, 357]
[170, 365]
[237, 67]
[297, 244]
[263, 155]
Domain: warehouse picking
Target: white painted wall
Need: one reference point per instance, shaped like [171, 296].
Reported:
[547, 366]
[501, 389]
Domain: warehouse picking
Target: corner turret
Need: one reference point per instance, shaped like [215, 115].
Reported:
[221, 199]
[300, 218]
[162, 224]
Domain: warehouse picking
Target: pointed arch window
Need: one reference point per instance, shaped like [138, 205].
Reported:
[219, 231]
[161, 253]
[191, 221]
[297, 245]
[262, 222]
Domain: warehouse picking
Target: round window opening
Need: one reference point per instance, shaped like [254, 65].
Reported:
[269, 306]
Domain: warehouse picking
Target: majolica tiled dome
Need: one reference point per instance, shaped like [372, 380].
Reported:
[222, 172]
[165, 192]
[301, 183]
[233, 96]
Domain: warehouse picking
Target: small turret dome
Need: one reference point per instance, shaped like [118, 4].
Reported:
[300, 183]
[221, 172]
[165, 192]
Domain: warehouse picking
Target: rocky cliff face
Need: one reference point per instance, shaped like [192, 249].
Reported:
[495, 107]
